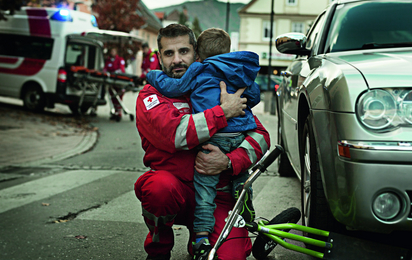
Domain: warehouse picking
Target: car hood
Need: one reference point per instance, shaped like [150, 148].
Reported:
[383, 68]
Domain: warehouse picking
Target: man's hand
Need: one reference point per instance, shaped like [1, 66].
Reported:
[212, 163]
[232, 104]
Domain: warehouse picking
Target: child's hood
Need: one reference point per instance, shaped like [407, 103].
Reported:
[239, 68]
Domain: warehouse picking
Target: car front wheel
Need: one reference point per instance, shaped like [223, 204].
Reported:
[315, 209]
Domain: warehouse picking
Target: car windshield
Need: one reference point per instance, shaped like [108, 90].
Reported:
[370, 25]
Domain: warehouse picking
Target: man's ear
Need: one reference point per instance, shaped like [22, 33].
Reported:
[197, 57]
[159, 58]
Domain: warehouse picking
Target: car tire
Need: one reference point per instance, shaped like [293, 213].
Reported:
[285, 169]
[315, 209]
[34, 98]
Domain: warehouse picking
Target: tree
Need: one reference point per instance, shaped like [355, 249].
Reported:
[183, 17]
[120, 15]
[196, 27]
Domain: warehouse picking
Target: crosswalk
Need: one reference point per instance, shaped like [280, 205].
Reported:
[122, 209]
[105, 217]
[42, 188]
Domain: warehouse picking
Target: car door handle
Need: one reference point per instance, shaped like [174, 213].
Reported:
[286, 73]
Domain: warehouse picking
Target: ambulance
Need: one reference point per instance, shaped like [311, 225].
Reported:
[38, 49]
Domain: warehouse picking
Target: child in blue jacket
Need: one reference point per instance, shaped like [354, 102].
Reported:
[201, 80]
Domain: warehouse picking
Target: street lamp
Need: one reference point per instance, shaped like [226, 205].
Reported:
[272, 13]
[227, 16]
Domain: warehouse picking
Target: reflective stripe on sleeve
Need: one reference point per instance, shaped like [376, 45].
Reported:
[181, 130]
[201, 127]
[249, 148]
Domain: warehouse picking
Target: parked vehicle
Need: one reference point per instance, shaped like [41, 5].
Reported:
[262, 81]
[345, 116]
[42, 45]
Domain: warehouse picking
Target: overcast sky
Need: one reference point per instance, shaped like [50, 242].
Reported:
[151, 4]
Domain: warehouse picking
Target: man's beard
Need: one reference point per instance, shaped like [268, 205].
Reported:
[169, 71]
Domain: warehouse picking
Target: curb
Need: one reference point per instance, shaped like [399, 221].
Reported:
[86, 144]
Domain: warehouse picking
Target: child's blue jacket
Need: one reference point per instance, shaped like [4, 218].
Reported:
[236, 69]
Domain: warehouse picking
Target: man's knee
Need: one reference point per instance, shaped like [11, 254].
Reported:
[160, 192]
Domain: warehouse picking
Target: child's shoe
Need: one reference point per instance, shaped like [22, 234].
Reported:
[247, 212]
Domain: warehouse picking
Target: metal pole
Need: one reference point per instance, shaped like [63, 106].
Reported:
[227, 16]
[272, 14]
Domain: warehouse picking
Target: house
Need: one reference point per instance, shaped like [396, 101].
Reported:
[148, 33]
[289, 16]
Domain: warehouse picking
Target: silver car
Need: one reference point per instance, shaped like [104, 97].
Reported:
[345, 116]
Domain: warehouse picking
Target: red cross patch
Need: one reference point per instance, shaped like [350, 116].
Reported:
[151, 101]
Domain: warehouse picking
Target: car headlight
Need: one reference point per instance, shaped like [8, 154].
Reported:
[383, 109]
[406, 106]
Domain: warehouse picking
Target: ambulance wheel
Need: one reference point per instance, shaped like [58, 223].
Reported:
[33, 98]
[131, 117]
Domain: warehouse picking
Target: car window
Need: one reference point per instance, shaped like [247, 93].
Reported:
[313, 34]
[369, 25]
[81, 55]
[26, 46]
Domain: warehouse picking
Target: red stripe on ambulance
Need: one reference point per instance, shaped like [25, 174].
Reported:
[8, 60]
[39, 22]
[39, 26]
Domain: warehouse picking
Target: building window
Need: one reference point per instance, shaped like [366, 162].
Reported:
[298, 27]
[266, 30]
[291, 2]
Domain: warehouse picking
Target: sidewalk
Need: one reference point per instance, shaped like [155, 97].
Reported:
[35, 138]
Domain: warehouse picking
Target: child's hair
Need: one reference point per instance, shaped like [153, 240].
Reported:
[211, 42]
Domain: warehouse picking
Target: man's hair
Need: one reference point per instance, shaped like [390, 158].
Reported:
[211, 42]
[175, 30]
[145, 44]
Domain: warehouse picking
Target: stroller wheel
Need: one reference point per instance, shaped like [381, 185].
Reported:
[131, 117]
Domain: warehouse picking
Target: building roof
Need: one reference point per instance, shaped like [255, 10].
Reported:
[210, 13]
[152, 21]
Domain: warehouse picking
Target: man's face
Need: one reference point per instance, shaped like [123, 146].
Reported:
[113, 52]
[176, 55]
[145, 50]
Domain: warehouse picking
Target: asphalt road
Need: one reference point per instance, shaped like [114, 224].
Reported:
[84, 207]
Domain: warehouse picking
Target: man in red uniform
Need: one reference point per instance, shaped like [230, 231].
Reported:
[169, 133]
[115, 64]
[150, 61]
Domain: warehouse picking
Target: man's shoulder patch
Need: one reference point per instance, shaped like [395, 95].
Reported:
[151, 101]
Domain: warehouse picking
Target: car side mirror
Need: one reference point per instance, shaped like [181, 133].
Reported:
[292, 43]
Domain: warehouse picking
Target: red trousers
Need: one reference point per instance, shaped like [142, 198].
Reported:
[166, 201]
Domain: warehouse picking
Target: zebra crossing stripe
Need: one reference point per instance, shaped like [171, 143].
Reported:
[39, 189]
[125, 208]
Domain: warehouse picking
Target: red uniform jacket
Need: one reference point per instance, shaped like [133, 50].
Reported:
[169, 133]
[150, 62]
[115, 64]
